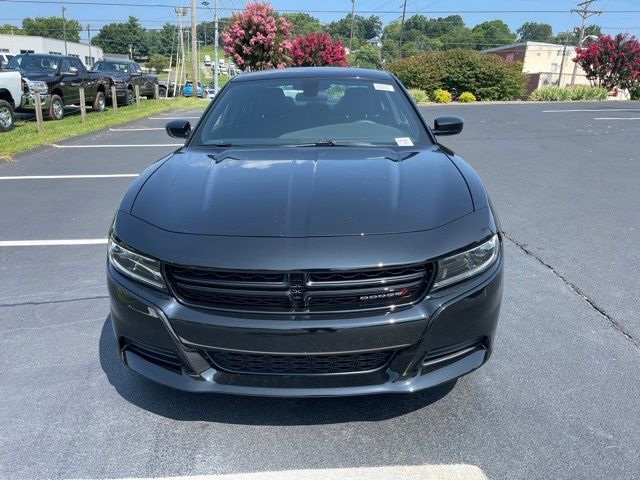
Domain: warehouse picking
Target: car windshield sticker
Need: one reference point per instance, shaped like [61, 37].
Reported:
[404, 142]
[383, 86]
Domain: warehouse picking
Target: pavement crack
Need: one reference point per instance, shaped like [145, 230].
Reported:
[51, 302]
[575, 289]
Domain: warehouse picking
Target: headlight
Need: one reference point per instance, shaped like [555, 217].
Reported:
[40, 87]
[466, 264]
[134, 265]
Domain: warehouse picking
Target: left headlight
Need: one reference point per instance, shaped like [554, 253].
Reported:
[467, 264]
[40, 87]
[134, 265]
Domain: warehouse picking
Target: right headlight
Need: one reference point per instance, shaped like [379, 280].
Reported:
[37, 86]
[134, 265]
[467, 264]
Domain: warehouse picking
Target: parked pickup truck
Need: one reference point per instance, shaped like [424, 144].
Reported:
[58, 79]
[10, 97]
[125, 75]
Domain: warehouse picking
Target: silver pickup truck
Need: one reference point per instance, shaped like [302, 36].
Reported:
[10, 97]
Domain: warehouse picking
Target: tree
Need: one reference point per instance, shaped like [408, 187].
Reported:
[303, 23]
[163, 41]
[571, 38]
[8, 29]
[258, 38]
[535, 32]
[363, 28]
[493, 33]
[158, 62]
[367, 56]
[117, 37]
[52, 27]
[317, 50]
[611, 61]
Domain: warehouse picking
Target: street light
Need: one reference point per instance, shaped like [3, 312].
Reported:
[588, 37]
[215, 45]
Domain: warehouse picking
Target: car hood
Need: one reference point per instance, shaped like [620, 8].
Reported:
[37, 75]
[303, 192]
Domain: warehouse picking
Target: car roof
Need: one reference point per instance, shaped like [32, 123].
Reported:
[313, 72]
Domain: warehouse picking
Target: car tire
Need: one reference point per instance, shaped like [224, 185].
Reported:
[99, 103]
[56, 108]
[7, 117]
[163, 91]
[131, 98]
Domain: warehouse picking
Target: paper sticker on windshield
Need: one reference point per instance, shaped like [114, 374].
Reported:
[404, 142]
[383, 86]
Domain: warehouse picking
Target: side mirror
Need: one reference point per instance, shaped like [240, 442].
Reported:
[73, 72]
[447, 125]
[178, 128]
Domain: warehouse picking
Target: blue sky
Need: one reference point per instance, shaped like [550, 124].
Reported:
[153, 17]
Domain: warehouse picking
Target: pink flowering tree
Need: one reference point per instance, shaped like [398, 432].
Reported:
[317, 49]
[258, 38]
[611, 62]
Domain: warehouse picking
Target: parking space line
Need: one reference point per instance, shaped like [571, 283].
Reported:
[47, 243]
[58, 177]
[616, 118]
[169, 118]
[120, 146]
[597, 110]
[136, 129]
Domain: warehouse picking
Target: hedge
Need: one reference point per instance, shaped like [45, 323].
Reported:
[560, 94]
[488, 77]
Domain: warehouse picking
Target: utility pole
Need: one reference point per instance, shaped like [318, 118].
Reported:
[353, 19]
[564, 54]
[584, 13]
[89, 35]
[195, 65]
[64, 30]
[404, 11]
[180, 12]
[216, 67]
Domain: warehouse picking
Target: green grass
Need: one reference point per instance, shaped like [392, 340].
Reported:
[25, 135]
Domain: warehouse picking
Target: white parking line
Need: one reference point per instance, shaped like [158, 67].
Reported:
[120, 146]
[136, 129]
[419, 472]
[47, 243]
[617, 118]
[598, 110]
[169, 118]
[58, 177]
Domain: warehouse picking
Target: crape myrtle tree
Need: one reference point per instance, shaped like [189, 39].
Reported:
[611, 62]
[258, 38]
[317, 49]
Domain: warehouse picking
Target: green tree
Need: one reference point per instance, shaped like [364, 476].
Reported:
[493, 33]
[367, 56]
[158, 62]
[363, 28]
[303, 24]
[117, 37]
[572, 38]
[163, 41]
[535, 32]
[52, 27]
[8, 29]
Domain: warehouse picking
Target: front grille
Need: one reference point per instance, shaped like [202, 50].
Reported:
[299, 292]
[250, 363]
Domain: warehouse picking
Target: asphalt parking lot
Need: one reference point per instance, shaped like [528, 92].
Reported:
[558, 400]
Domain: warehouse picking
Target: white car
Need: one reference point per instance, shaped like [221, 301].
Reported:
[10, 97]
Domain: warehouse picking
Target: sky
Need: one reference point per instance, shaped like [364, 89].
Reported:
[328, 10]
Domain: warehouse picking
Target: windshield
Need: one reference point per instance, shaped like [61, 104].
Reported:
[34, 63]
[110, 67]
[309, 111]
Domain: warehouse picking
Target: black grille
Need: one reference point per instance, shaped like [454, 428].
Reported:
[159, 356]
[299, 364]
[293, 292]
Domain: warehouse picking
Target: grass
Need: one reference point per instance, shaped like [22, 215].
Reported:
[25, 135]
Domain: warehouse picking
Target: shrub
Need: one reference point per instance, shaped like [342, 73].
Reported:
[418, 95]
[489, 77]
[635, 93]
[466, 97]
[557, 94]
[441, 96]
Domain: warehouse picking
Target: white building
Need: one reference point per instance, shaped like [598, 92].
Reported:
[17, 44]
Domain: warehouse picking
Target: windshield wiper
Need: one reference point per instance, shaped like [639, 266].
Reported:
[331, 143]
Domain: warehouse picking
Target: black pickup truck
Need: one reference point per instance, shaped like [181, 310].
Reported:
[125, 75]
[58, 79]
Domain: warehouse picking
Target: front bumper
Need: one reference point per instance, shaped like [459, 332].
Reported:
[28, 102]
[446, 335]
